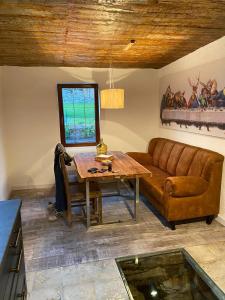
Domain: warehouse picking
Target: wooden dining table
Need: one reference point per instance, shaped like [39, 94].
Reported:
[123, 167]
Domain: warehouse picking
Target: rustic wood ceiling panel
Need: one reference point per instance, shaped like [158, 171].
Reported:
[97, 33]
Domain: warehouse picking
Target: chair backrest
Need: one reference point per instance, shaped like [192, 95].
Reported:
[65, 176]
[60, 149]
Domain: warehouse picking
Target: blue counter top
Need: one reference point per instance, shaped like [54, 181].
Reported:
[8, 213]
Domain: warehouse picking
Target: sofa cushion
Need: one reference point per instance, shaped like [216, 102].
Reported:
[174, 158]
[157, 152]
[165, 155]
[185, 186]
[199, 163]
[154, 184]
[185, 161]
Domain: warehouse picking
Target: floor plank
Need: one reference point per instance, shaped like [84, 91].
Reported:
[52, 244]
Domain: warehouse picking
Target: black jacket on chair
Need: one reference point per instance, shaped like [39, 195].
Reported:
[60, 197]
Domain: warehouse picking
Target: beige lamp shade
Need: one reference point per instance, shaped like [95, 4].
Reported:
[112, 98]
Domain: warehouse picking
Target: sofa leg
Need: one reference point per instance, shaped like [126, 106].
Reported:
[172, 225]
[209, 219]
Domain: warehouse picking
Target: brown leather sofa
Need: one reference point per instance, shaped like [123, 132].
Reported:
[185, 182]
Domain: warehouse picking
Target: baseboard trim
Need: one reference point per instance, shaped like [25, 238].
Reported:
[32, 187]
[221, 219]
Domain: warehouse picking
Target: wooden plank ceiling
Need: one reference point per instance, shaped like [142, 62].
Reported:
[95, 33]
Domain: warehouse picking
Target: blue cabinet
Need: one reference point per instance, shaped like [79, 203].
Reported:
[12, 268]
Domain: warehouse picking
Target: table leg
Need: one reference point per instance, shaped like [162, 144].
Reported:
[137, 189]
[118, 186]
[136, 200]
[88, 203]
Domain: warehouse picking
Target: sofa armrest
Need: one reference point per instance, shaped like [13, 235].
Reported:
[142, 157]
[185, 186]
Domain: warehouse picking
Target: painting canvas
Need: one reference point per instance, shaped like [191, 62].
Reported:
[194, 100]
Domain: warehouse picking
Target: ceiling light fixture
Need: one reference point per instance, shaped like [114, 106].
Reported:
[112, 98]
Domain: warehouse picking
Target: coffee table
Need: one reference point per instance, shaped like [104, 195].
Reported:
[123, 167]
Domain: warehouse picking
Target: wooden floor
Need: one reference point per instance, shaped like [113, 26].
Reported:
[52, 244]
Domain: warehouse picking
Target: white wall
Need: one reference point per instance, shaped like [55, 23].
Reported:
[31, 111]
[3, 175]
[212, 52]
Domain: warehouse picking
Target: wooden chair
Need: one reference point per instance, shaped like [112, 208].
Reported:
[76, 194]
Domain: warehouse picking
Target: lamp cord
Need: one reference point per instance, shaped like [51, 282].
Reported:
[111, 82]
[110, 77]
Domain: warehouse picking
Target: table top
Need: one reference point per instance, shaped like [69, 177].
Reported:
[122, 166]
[8, 213]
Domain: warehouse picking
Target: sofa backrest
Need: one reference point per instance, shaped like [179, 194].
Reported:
[180, 159]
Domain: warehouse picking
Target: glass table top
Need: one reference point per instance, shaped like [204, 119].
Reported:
[166, 275]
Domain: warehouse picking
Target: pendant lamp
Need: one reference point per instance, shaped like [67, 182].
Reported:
[112, 98]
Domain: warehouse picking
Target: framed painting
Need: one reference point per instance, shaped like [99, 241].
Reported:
[195, 100]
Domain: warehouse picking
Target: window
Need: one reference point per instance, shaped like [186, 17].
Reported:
[79, 114]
